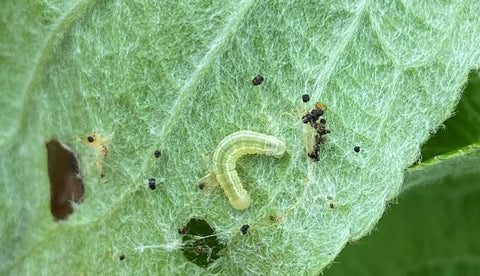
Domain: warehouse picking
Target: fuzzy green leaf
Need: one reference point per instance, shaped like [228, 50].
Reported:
[455, 148]
[432, 230]
[177, 77]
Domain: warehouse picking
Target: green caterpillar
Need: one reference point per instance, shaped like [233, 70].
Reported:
[233, 147]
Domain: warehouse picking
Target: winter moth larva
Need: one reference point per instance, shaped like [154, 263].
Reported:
[233, 147]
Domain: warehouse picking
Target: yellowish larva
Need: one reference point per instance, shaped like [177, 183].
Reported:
[233, 147]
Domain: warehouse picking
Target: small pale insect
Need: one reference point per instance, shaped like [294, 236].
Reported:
[233, 147]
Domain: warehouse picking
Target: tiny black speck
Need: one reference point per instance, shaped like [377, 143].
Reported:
[306, 118]
[314, 155]
[323, 121]
[157, 153]
[356, 149]
[323, 132]
[90, 139]
[305, 98]
[244, 229]
[122, 257]
[316, 114]
[201, 185]
[258, 79]
[319, 112]
[151, 183]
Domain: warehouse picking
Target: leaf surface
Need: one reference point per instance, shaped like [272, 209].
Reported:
[433, 227]
[177, 77]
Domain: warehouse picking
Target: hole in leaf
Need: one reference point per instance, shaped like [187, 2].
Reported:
[201, 247]
[66, 185]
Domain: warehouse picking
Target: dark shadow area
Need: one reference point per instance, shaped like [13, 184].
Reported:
[201, 246]
[66, 185]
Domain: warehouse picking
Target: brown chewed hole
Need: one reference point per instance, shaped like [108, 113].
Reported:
[66, 185]
[200, 244]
